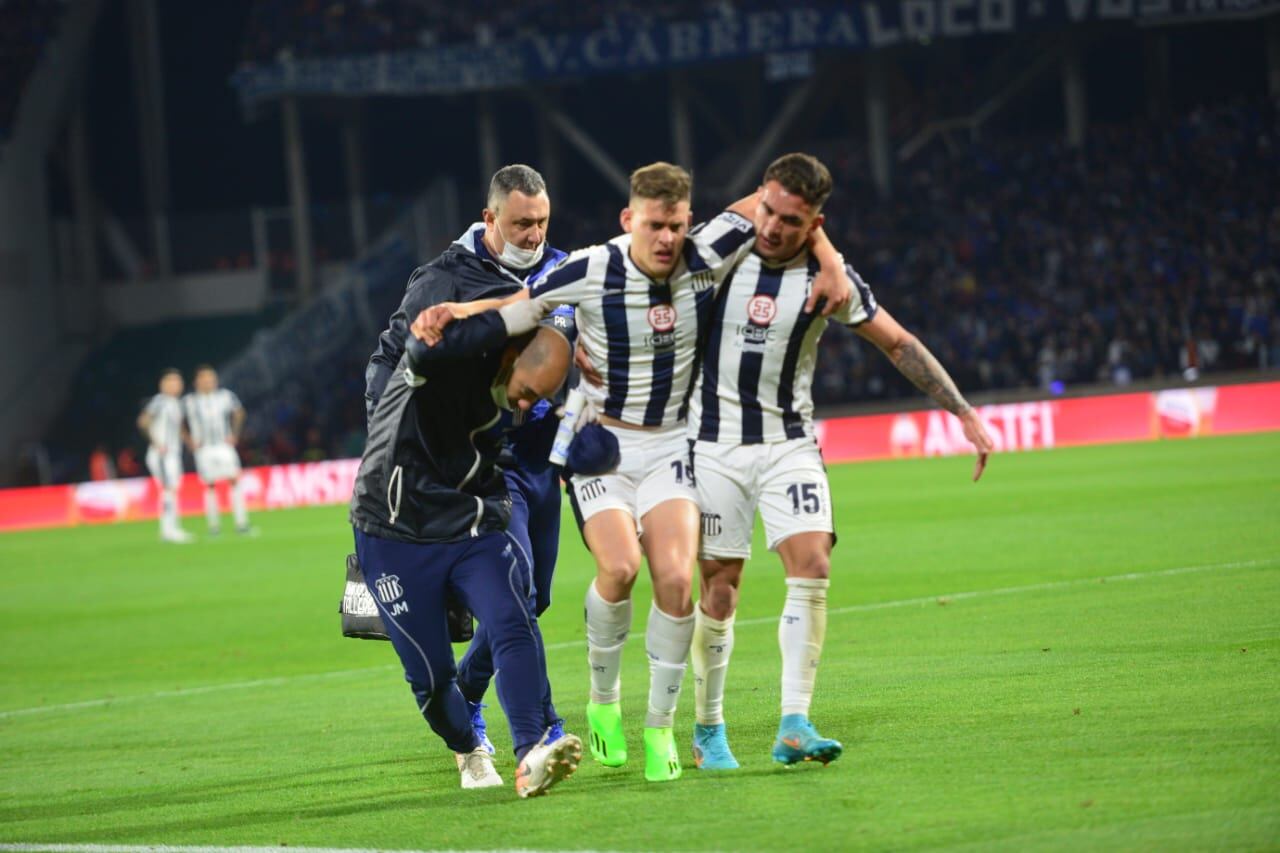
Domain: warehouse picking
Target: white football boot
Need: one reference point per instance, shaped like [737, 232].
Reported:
[477, 769]
[547, 764]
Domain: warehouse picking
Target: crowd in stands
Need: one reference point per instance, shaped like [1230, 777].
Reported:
[26, 29]
[1023, 263]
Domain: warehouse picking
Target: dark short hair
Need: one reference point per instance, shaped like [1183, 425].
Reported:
[517, 176]
[663, 182]
[201, 368]
[803, 175]
[171, 371]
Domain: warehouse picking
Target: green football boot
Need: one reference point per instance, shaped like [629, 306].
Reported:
[661, 761]
[608, 744]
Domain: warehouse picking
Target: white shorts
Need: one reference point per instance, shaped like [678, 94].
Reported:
[167, 468]
[217, 462]
[786, 481]
[654, 469]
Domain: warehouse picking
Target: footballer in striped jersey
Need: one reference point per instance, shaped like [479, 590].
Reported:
[214, 417]
[751, 421]
[643, 302]
[161, 423]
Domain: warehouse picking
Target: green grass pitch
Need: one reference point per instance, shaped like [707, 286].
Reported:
[1080, 652]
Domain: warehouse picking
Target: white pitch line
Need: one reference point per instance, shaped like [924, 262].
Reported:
[569, 644]
[193, 691]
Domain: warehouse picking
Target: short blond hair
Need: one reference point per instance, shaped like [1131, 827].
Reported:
[663, 182]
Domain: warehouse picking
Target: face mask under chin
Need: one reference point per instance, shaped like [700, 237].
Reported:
[515, 257]
[498, 391]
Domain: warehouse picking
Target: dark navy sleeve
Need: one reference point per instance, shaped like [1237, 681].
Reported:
[564, 321]
[426, 288]
[467, 338]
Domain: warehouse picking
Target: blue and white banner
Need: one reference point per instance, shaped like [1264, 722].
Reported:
[859, 26]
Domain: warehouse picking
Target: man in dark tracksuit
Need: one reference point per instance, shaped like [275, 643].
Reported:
[430, 509]
[533, 483]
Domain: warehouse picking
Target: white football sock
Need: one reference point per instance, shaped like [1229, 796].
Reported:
[801, 630]
[169, 510]
[237, 505]
[712, 646]
[608, 625]
[211, 508]
[667, 640]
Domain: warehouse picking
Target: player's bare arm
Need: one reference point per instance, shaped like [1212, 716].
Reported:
[914, 361]
[832, 282]
[430, 323]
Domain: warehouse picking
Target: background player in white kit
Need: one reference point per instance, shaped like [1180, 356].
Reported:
[751, 416]
[161, 423]
[643, 303]
[214, 417]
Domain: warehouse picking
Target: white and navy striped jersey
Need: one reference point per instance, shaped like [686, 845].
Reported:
[209, 416]
[165, 429]
[757, 370]
[642, 335]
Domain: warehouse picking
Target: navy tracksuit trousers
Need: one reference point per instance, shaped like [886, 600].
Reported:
[535, 528]
[490, 574]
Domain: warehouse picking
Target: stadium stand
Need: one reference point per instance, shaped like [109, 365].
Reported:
[1027, 264]
[26, 29]
[1022, 263]
[120, 376]
[1150, 252]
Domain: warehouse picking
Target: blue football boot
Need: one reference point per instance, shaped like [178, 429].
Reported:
[711, 748]
[798, 741]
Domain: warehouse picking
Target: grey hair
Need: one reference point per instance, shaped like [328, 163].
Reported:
[514, 177]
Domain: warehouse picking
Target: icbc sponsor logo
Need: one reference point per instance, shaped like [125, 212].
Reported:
[762, 309]
[662, 318]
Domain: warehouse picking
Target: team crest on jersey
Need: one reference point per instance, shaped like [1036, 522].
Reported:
[389, 588]
[662, 317]
[762, 309]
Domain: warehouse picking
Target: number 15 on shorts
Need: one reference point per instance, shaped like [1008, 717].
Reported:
[805, 497]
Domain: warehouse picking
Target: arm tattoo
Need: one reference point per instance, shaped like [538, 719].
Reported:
[915, 362]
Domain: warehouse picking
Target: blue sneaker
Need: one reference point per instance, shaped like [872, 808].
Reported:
[711, 748]
[477, 723]
[799, 741]
[555, 731]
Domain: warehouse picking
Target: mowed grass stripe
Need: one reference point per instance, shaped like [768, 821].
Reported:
[944, 598]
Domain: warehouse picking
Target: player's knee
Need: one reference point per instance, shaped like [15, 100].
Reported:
[814, 564]
[719, 601]
[673, 591]
[617, 569]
